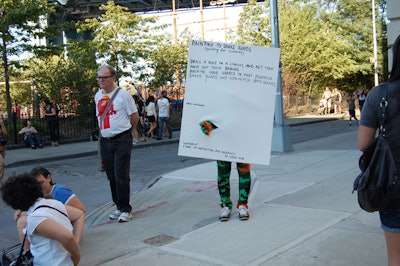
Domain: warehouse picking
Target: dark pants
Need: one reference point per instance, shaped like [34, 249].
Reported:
[54, 130]
[116, 156]
[33, 139]
[161, 121]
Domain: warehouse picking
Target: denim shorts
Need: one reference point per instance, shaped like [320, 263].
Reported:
[390, 218]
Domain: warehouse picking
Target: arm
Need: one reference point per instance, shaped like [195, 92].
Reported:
[52, 230]
[77, 203]
[33, 130]
[365, 136]
[134, 120]
[53, 112]
[77, 218]
[22, 131]
[3, 129]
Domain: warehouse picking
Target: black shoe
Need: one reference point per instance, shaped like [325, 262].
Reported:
[33, 147]
[158, 138]
[40, 146]
[170, 137]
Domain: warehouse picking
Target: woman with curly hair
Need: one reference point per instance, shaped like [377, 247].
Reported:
[49, 230]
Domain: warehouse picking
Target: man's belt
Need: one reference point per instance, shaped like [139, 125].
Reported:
[118, 135]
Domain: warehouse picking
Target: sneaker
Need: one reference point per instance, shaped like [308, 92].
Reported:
[349, 123]
[33, 147]
[134, 141]
[225, 214]
[115, 215]
[125, 217]
[243, 213]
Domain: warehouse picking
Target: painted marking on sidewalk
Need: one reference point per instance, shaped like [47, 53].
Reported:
[154, 206]
[203, 186]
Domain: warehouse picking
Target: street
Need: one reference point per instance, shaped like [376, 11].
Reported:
[147, 164]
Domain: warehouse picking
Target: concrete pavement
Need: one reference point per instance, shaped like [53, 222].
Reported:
[301, 207]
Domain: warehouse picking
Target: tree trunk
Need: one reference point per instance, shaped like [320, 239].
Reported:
[6, 75]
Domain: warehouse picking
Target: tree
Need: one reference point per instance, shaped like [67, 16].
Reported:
[120, 37]
[254, 27]
[21, 21]
[66, 80]
[351, 20]
[169, 61]
[322, 42]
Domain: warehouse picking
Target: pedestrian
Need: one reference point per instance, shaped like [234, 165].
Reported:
[369, 123]
[151, 114]
[3, 147]
[17, 110]
[50, 191]
[116, 129]
[337, 97]
[327, 95]
[31, 135]
[49, 229]
[361, 96]
[51, 114]
[224, 187]
[352, 108]
[135, 130]
[163, 111]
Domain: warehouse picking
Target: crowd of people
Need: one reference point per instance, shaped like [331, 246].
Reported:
[331, 101]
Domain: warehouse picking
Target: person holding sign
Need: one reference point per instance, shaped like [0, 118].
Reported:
[224, 186]
[224, 173]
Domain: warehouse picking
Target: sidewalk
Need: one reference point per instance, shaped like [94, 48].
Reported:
[15, 157]
[301, 206]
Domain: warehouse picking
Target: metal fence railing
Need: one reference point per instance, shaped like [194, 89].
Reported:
[79, 127]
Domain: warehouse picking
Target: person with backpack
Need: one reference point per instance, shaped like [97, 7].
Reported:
[369, 124]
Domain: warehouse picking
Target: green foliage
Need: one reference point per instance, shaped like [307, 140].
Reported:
[21, 21]
[254, 27]
[323, 42]
[63, 79]
[121, 38]
[169, 61]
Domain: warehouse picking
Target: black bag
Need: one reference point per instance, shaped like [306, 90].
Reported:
[3, 140]
[15, 256]
[378, 183]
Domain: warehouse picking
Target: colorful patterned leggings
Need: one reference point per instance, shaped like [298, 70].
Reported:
[224, 187]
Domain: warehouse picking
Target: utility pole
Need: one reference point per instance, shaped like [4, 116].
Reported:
[375, 45]
[281, 140]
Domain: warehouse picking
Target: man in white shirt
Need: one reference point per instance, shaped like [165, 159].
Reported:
[116, 130]
[163, 115]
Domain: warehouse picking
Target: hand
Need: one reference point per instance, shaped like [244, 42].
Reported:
[76, 259]
[18, 214]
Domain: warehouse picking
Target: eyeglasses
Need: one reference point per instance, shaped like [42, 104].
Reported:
[104, 77]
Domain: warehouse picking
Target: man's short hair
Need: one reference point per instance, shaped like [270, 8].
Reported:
[112, 70]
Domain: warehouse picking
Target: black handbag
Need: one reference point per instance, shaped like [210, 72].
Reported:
[3, 140]
[378, 183]
[16, 256]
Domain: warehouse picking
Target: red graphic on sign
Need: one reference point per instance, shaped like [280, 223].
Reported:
[101, 106]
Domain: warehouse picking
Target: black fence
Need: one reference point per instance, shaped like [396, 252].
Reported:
[73, 128]
[79, 127]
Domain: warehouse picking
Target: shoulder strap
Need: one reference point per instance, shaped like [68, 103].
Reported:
[383, 105]
[47, 206]
[109, 105]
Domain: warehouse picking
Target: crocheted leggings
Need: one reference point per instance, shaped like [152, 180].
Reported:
[224, 187]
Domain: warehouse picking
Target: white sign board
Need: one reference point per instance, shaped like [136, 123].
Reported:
[234, 87]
